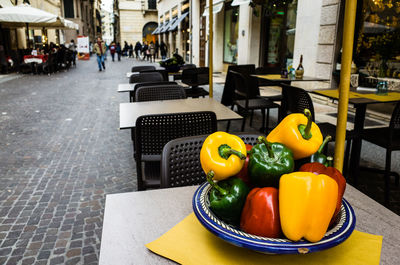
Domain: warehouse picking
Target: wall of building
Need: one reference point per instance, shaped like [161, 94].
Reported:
[132, 18]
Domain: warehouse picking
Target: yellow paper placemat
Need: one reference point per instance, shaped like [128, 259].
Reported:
[334, 93]
[270, 76]
[190, 243]
[391, 96]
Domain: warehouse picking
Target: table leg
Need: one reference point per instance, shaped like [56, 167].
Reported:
[356, 146]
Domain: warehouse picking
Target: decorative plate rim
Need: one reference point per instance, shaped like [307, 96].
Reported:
[336, 235]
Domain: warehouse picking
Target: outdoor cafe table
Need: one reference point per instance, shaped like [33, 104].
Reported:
[134, 219]
[278, 79]
[129, 112]
[360, 100]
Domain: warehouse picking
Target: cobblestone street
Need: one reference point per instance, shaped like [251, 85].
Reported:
[60, 153]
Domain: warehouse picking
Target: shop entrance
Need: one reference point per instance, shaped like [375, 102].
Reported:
[147, 30]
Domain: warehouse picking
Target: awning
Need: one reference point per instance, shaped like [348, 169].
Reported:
[21, 15]
[166, 27]
[240, 2]
[175, 25]
[217, 7]
[157, 30]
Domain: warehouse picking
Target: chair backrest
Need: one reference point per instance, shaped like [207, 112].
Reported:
[146, 77]
[143, 68]
[165, 92]
[266, 70]
[395, 120]
[154, 131]
[195, 76]
[188, 66]
[161, 83]
[180, 162]
[245, 86]
[295, 100]
[163, 72]
[229, 87]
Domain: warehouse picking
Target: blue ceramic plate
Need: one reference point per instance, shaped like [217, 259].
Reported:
[233, 235]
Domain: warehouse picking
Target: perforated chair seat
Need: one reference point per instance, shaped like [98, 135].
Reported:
[143, 68]
[164, 92]
[180, 163]
[146, 77]
[154, 131]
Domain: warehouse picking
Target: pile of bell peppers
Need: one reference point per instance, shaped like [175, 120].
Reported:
[255, 188]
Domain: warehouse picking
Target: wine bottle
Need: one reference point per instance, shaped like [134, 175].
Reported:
[300, 69]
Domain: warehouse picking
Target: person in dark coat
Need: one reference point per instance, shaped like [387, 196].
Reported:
[119, 51]
[163, 50]
[157, 46]
[138, 48]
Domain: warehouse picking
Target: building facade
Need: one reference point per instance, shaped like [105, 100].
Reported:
[137, 20]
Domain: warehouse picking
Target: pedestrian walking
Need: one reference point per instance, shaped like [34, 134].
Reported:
[152, 51]
[157, 45]
[163, 50]
[72, 48]
[130, 50]
[119, 51]
[113, 50]
[126, 49]
[145, 50]
[138, 48]
[105, 53]
[99, 48]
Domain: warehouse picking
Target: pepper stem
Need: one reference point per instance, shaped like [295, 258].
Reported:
[262, 139]
[210, 176]
[326, 140]
[329, 161]
[307, 130]
[225, 151]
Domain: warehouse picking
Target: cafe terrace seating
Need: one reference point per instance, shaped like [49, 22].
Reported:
[159, 92]
[146, 77]
[247, 99]
[195, 77]
[180, 161]
[154, 131]
[143, 68]
[388, 138]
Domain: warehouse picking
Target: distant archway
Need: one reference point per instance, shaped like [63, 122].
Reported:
[148, 29]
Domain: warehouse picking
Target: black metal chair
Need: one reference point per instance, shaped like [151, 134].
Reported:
[268, 83]
[154, 131]
[388, 138]
[143, 68]
[295, 100]
[159, 92]
[180, 162]
[195, 77]
[229, 86]
[146, 77]
[164, 73]
[247, 99]
[138, 85]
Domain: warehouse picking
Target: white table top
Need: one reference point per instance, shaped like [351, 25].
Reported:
[129, 112]
[126, 87]
[134, 219]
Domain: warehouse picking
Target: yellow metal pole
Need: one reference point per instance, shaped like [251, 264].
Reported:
[344, 87]
[210, 45]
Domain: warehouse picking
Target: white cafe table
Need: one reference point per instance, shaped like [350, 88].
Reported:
[134, 219]
[129, 112]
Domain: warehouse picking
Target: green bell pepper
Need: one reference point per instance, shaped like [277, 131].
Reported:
[268, 162]
[319, 156]
[227, 198]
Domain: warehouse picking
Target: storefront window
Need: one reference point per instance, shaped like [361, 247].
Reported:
[231, 33]
[377, 51]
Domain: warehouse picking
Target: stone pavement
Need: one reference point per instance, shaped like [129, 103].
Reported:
[61, 152]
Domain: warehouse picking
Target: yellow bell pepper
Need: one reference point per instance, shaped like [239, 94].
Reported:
[224, 154]
[306, 205]
[299, 133]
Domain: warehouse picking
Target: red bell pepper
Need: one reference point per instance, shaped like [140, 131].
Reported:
[260, 214]
[318, 168]
[243, 173]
